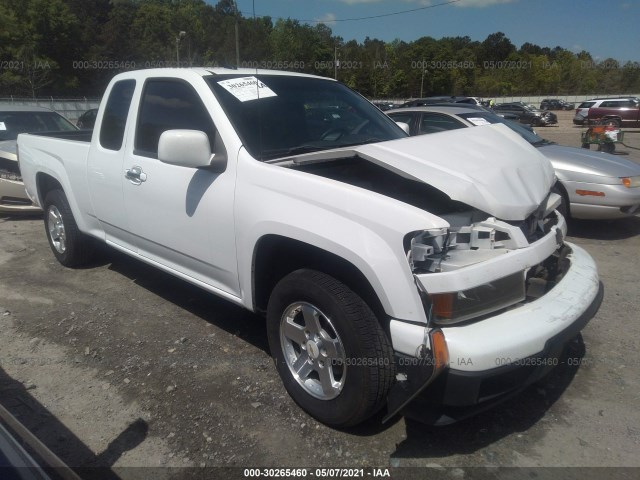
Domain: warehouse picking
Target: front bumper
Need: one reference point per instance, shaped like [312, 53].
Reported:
[550, 119]
[491, 359]
[14, 199]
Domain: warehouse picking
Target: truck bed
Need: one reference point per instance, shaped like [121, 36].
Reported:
[78, 135]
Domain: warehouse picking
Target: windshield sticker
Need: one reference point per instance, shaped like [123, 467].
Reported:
[247, 88]
[2, 126]
[478, 121]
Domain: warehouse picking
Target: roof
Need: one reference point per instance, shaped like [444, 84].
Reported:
[203, 72]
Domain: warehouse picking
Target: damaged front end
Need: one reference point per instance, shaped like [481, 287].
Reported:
[506, 297]
[481, 243]
[496, 282]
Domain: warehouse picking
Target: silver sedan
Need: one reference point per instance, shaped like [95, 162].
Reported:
[13, 121]
[593, 185]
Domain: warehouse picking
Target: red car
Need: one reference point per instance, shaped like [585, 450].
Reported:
[621, 112]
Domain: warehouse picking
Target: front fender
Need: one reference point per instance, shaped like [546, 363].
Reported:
[364, 228]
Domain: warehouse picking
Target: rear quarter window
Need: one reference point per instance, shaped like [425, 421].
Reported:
[114, 118]
[586, 104]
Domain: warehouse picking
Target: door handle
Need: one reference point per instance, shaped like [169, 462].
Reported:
[135, 175]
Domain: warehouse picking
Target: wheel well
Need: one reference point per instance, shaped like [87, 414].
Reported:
[45, 184]
[276, 256]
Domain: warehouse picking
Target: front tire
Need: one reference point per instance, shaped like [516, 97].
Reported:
[70, 246]
[329, 349]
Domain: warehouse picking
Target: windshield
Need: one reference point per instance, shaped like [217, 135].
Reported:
[287, 115]
[14, 123]
[482, 118]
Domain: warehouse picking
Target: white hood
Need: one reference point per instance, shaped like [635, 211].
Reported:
[490, 167]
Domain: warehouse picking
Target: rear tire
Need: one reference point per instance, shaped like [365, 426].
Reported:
[70, 246]
[329, 349]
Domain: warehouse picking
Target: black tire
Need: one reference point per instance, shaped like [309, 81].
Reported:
[607, 147]
[563, 208]
[366, 369]
[614, 122]
[70, 246]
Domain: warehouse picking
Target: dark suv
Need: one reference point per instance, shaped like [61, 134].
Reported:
[527, 114]
[555, 104]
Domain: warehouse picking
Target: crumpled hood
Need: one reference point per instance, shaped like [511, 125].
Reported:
[8, 149]
[489, 167]
[581, 160]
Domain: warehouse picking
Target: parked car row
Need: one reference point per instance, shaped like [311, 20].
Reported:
[620, 112]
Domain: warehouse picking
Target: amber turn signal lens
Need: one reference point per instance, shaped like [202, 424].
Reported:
[440, 350]
[442, 304]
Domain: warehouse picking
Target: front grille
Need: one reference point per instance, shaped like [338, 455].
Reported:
[9, 170]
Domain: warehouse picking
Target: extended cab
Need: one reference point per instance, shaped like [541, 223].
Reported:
[428, 274]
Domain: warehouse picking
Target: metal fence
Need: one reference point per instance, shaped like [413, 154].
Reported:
[71, 108]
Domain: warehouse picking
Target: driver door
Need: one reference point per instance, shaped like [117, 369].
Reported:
[181, 218]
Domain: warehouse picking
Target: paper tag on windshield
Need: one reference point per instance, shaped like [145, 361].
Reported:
[478, 121]
[247, 88]
[2, 126]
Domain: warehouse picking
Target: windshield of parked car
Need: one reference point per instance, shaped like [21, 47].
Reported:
[277, 116]
[14, 123]
[482, 118]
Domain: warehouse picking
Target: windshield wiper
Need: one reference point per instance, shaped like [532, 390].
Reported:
[285, 152]
[542, 142]
[362, 142]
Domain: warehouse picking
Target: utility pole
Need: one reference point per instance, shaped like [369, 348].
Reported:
[237, 41]
[178, 38]
[424, 70]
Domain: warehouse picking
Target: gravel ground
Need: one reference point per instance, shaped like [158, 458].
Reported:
[121, 366]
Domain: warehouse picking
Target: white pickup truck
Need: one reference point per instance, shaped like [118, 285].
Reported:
[427, 274]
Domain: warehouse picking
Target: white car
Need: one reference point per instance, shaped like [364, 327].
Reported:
[392, 270]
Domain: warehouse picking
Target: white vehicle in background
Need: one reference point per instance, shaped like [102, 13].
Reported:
[427, 274]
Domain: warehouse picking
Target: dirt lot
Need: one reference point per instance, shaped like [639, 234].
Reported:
[119, 365]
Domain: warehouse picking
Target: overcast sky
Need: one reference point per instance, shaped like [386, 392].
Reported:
[605, 28]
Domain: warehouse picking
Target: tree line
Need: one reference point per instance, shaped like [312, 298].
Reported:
[68, 48]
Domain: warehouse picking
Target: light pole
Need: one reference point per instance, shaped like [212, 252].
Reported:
[178, 38]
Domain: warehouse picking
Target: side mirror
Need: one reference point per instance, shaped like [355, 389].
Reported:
[404, 126]
[191, 148]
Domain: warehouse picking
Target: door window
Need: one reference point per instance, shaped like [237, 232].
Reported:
[169, 105]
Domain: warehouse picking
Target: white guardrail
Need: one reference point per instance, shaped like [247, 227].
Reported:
[71, 108]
